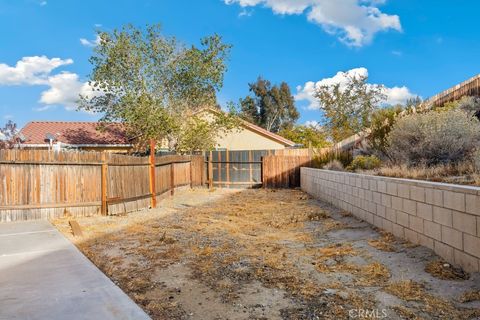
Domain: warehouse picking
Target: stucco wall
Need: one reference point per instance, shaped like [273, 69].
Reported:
[442, 217]
[244, 139]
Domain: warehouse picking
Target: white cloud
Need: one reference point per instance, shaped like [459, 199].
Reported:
[395, 95]
[30, 70]
[63, 88]
[90, 43]
[354, 22]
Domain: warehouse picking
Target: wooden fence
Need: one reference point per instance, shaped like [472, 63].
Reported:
[254, 168]
[37, 184]
[283, 171]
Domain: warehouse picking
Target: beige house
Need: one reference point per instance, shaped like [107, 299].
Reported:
[86, 136]
[248, 137]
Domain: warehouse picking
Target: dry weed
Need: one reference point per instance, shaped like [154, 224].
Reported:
[470, 296]
[385, 243]
[445, 271]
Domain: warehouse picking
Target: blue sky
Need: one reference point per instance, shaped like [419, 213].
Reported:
[412, 47]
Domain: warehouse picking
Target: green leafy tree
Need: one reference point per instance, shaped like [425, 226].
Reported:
[348, 106]
[271, 107]
[151, 82]
[308, 136]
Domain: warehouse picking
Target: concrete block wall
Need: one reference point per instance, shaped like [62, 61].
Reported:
[442, 217]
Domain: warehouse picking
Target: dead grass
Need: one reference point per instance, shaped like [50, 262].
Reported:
[462, 173]
[470, 296]
[251, 236]
[385, 242]
[429, 304]
[445, 271]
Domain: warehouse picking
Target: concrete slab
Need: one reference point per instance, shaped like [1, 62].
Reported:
[44, 276]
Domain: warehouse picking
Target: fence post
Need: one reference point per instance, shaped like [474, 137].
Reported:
[210, 171]
[264, 183]
[172, 177]
[104, 208]
[191, 168]
[153, 191]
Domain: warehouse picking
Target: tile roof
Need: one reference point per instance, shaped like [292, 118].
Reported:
[75, 133]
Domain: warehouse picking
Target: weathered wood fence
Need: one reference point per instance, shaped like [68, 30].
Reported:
[256, 168]
[37, 184]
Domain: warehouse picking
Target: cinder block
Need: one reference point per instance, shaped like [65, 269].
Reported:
[443, 216]
[377, 197]
[365, 183]
[373, 185]
[402, 218]
[386, 200]
[387, 225]
[381, 211]
[454, 200]
[417, 193]
[434, 196]
[378, 222]
[424, 211]
[416, 224]
[391, 214]
[403, 190]
[465, 223]
[368, 195]
[452, 237]
[411, 236]
[392, 188]
[425, 241]
[473, 204]
[368, 217]
[433, 230]
[409, 206]
[397, 203]
[466, 261]
[478, 226]
[398, 230]
[444, 251]
[382, 186]
[472, 245]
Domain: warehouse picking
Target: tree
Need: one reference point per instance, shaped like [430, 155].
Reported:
[306, 135]
[382, 121]
[348, 106]
[8, 135]
[271, 107]
[151, 83]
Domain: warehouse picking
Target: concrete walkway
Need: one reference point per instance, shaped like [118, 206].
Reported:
[44, 276]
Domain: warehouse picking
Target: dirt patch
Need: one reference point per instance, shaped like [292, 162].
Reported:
[260, 254]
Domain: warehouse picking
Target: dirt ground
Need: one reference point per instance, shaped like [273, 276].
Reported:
[270, 254]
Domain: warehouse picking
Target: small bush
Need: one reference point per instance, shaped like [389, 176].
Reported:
[344, 157]
[364, 163]
[434, 138]
[334, 165]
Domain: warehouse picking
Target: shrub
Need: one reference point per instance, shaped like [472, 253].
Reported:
[364, 163]
[334, 165]
[344, 157]
[434, 138]
[382, 123]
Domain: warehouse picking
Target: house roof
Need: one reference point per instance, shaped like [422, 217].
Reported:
[75, 133]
